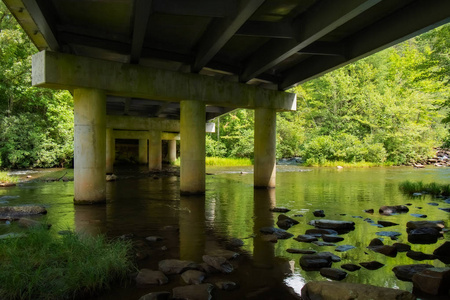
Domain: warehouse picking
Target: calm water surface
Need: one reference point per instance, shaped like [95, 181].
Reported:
[231, 208]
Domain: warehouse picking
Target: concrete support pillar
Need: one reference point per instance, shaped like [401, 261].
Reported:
[89, 146]
[110, 151]
[192, 147]
[143, 151]
[172, 151]
[154, 151]
[265, 148]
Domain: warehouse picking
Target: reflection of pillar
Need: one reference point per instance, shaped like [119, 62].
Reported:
[192, 141]
[154, 150]
[265, 148]
[89, 146]
[110, 151]
[263, 251]
[172, 151]
[90, 219]
[143, 151]
[192, 228]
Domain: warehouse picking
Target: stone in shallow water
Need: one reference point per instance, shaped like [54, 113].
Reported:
[419, 216]
[319, 231]
[433, 204]
[332, 238]
[372, 265]
[300, 251]
[319, 213]
[333, 273]
[280, 209]
[280, 233]
[331, 290]
[443, 250]
[175, 266]
[418, 255]
[321, 244]
[193, 277]
[146, 276]
[343, 248]
[387, 250]
[314, 262]
[218, 262]
[198, 292]
[350, 267]
[333, 224]
[387, 223]
[334, 258]
[438, 225]
[446, 209]
[393, 209]
[226, 285]
[406, 272]
[401, 247]
[388, 233]
[11, 212]
[285, 222]
[424, 236]
[156, 296]
[305, 238]
[235, 242]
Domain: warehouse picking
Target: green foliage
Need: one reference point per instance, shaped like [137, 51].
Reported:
[36, 125]
[227, 162]
[41, 265]
[214, 148]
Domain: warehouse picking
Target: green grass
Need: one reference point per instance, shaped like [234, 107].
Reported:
[433, 188]
[224, 162]
[361, 164]
[4, 177]
[42, 265]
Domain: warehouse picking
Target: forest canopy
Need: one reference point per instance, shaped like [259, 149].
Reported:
[389, 108]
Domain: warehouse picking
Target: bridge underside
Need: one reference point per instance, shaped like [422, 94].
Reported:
[168, 66]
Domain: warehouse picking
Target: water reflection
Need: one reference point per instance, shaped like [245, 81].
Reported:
[263, 251]
[90, 219]
[192, 227]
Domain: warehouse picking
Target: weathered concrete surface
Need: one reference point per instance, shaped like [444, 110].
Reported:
[192, 147]
[64, 71]
[172, 151]
[143, 151]
[89, 146]
[141, 123]
[265, 148]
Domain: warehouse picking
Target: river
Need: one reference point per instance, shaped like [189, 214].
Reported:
[192, 226]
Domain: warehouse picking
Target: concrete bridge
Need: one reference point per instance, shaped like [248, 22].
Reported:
[167, 66]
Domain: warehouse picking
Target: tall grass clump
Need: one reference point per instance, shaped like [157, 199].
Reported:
[432, 188]
[228, 161]
[5, 178]
[223, 161]
[42, 265]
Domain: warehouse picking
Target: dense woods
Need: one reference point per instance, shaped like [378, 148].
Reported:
[390, 108]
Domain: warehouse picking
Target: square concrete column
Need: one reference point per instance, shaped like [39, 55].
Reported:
[172, 150]
[265, 148]
[154, 151]
[192, 147]
[110, 150]
[89, 146]
[143, 151]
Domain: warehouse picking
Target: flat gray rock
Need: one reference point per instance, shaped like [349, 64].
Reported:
[176, 266]
[146, 276]
[193, 276]
[218, 262]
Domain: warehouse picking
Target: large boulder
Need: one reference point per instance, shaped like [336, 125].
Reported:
[193, 277]
[329, 290]
[14, 212]
[333, 224]
[433, 281]
[406, 272]
[175, 266]
[393, 209]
